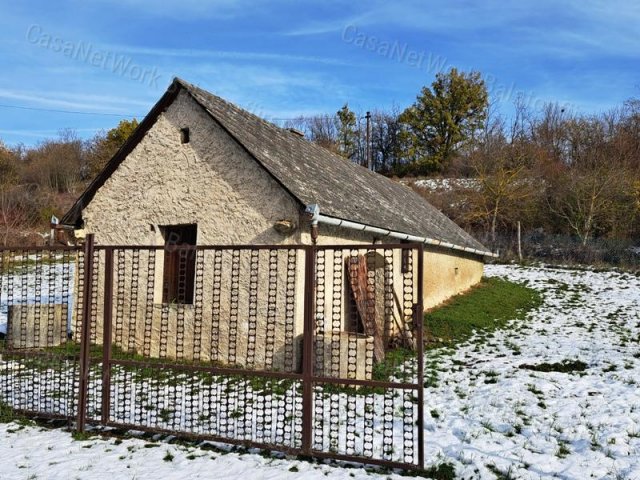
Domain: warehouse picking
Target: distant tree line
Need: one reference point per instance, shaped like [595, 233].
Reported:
[552, 171]
[44, 180]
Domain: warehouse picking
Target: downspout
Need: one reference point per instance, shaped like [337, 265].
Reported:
[314, 211]
[316, 218]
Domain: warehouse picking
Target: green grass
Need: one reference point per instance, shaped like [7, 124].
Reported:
[168, 457]
[488, 306]
[500, 475]
[444, 471]
[563, 450]
[167, 376]
[81, 436]
[566, 366]
[6, 413]
[392, 361]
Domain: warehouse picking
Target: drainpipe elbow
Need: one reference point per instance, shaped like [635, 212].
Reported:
[313, 211]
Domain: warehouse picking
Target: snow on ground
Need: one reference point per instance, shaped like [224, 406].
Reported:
[485, 414]
[447, 184]
[488, 414]
[34, 453]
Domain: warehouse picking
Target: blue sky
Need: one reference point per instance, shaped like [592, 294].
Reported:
[284, 58]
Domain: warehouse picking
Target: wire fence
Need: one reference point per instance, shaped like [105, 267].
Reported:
[566, 249]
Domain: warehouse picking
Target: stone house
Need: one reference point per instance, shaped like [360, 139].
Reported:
[206, 172]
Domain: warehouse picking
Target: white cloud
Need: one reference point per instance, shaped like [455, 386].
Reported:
[570, 26]
[75, 101]
[269, 91]
[415, 14]
[319, 27]
[222, 54]
[44, 133]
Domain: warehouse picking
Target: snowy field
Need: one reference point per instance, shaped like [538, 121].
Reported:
[492, 410]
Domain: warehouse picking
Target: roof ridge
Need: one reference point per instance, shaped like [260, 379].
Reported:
[369, 198]
[191, 87]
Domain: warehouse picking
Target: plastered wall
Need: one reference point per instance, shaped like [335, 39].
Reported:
[210, 181]
[447, 274]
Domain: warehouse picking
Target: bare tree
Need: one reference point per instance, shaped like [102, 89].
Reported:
[591, 191]
[506, 190]
[320, 129]
[56, 164]
[585, 199]
[385, 141]
[15, 212]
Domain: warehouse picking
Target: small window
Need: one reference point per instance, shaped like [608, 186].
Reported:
[179, 263]
[184, 135]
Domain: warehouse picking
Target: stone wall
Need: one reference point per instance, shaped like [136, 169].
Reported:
[212, 182]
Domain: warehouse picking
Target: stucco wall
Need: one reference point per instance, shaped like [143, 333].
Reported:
[210, 181]
[447, 274]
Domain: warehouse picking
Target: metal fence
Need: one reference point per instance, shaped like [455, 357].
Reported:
[37, 297]
[313, 350]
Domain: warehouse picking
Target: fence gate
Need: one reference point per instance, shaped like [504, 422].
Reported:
[313, 350]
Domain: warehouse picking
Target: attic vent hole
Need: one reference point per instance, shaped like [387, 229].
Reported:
[184, 135]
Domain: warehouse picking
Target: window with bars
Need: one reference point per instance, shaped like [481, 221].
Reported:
[179, 263]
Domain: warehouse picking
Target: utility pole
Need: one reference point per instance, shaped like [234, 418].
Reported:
[368, 141]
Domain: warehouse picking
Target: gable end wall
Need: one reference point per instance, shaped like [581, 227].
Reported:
[210, 181]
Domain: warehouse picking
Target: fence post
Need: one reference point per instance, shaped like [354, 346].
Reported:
[307, 349]
[519, 241]
[106, 335]
[420, 326]
[85, 338]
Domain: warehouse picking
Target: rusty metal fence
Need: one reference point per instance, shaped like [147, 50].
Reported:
[312, 350]
[38, 373]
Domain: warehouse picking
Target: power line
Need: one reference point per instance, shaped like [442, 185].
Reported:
[68, 111]
[129, 115]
